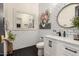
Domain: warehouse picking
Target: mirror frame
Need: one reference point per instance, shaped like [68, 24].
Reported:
[60, 12]
[14, 21]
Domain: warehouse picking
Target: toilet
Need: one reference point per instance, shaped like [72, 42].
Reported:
[40, 46]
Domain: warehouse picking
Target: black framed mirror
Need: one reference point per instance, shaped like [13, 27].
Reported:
[66, 14]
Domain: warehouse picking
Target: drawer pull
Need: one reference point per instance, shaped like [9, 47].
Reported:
[71, 50]
[50, 43]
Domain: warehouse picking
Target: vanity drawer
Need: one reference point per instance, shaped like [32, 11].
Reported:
[70, 50]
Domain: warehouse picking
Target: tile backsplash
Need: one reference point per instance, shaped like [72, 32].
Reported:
[56, 27]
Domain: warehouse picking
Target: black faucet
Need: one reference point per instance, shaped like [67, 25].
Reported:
[59, 33]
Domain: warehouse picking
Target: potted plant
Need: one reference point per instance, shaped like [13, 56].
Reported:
[76, 24]
[11, 36]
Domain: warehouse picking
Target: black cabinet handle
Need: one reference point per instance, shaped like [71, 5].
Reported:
[50, 43]
[71, 50]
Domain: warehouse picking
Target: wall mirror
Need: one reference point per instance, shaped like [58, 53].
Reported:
[66, 14]
[24, 21]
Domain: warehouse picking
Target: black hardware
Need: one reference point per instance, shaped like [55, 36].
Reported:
[71, 50]
[59, 33]
[50, 43]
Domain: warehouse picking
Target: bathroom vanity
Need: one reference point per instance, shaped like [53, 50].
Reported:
[63, 46]
[60, 46]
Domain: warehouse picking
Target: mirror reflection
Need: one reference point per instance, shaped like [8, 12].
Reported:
[24, 20]
[66, 15]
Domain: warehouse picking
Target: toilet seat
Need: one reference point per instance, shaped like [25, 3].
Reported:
[40, 45]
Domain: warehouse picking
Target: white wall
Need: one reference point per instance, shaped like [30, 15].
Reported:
[42, 8]
[27, 38]
[23, 38]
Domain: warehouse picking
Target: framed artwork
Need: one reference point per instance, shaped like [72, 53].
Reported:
[44, 20]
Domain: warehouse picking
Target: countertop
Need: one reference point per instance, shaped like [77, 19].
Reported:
[64, 39]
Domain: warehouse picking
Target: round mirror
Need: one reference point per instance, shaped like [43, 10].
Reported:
[66, 14]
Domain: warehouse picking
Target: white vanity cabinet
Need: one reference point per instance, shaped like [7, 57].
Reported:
[60, 48]
[49, 47]
[66, 49]
[55, 46]
[70, 50]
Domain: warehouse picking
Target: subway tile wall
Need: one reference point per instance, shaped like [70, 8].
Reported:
[55, 26]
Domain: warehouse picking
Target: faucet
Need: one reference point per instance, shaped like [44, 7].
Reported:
[59, 33]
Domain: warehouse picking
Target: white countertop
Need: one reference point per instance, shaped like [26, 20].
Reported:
[64, 39]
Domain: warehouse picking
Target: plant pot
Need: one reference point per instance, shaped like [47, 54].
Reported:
[9, 47]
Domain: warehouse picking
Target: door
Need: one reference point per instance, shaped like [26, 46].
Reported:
[2, 31]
